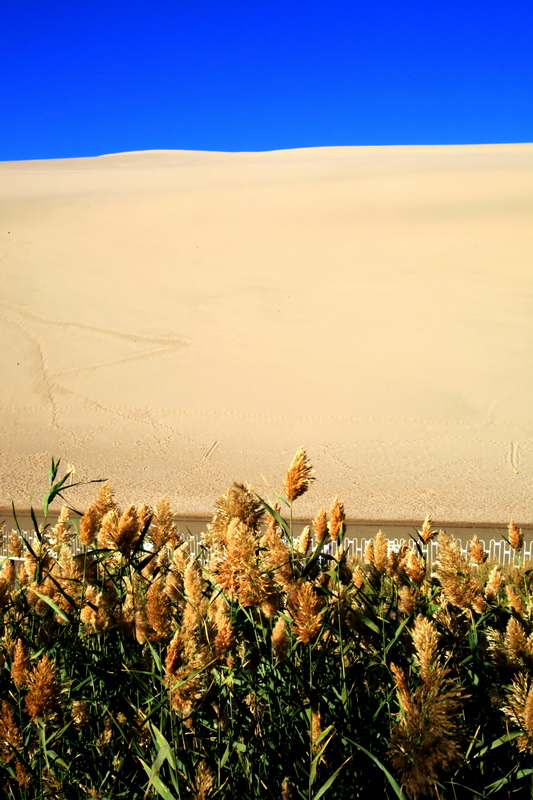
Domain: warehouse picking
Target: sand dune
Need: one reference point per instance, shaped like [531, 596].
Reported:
[177, 320]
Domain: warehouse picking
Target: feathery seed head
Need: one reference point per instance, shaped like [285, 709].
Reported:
[298, 477]
[238, 569]
[494, 584]
[280, 639]
[427, 533]
[514, 600]
[287, 792]
[238, 503]
[42, 697]
[303, 541]
[105, 500]
[515, 641]
[380, 552]
[516, 539]
[407, 600]
[519, 709]
[320, 526]
[9, 572]
[10, 737]
[306, 609]
[196, 604]
[158, 611]
[89, 526]
[21, 664]
[145, 515]
[204, 782]
[225, 637]
[80, 713]
[276, 560]
[414, 568]
[461, 587]
[425, 638]
[477, 553]
[163, 529]
[14, 544]
[337, 519]
[369, 552]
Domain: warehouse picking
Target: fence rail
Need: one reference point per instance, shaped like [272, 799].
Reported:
[500, 551]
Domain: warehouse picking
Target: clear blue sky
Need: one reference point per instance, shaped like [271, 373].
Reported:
[87, 77]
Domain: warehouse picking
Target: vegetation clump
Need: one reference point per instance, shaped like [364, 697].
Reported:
[267, 668]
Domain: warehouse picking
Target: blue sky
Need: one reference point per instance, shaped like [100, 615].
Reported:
[87, 77]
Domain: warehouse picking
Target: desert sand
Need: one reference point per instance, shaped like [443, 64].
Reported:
[175, 320]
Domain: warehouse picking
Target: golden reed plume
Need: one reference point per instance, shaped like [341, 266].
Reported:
[425, 743]
[298, 477]
[306, 609]
[42, 698]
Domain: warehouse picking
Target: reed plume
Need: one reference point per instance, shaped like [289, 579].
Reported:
[515, 641]
[316, 729]
[237, 569]
[21, 664]
[407, 600]
[225, 636]
[337, 518]
[287, 792]
[196, 601]
[163, 530]
[80, 713]
[428, 532]
[184, 657]
[477, 553]
[105, 500]
[280, 639]
[425, 740]
[276, 559]
[98, 613]
[460, 586]
[62, 530]
[516, 539]
[358, 577]
[119, 532]
[14, 544]
[302, 543]
[494, 584]
[238, 503]
[320, 526]
[9, 572]
[158, 609]
[298, 477]
[204, 782]
[23, 778]
[514, 600]
[345, 571]
[145, 515]
[414, 568]
[306, 609]
[10, 736]
[379, 554]
[42, 698]
[397, 562]
[89, 524]
[519, 709]
[425, 640]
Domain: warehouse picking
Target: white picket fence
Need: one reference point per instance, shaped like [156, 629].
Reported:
[498, 550]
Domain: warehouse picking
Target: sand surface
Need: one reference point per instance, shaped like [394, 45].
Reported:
[176, 320]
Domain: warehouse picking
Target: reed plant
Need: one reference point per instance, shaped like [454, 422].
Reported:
[267, 668]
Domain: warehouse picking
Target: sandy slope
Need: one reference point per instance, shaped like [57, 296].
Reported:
[175, 320]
